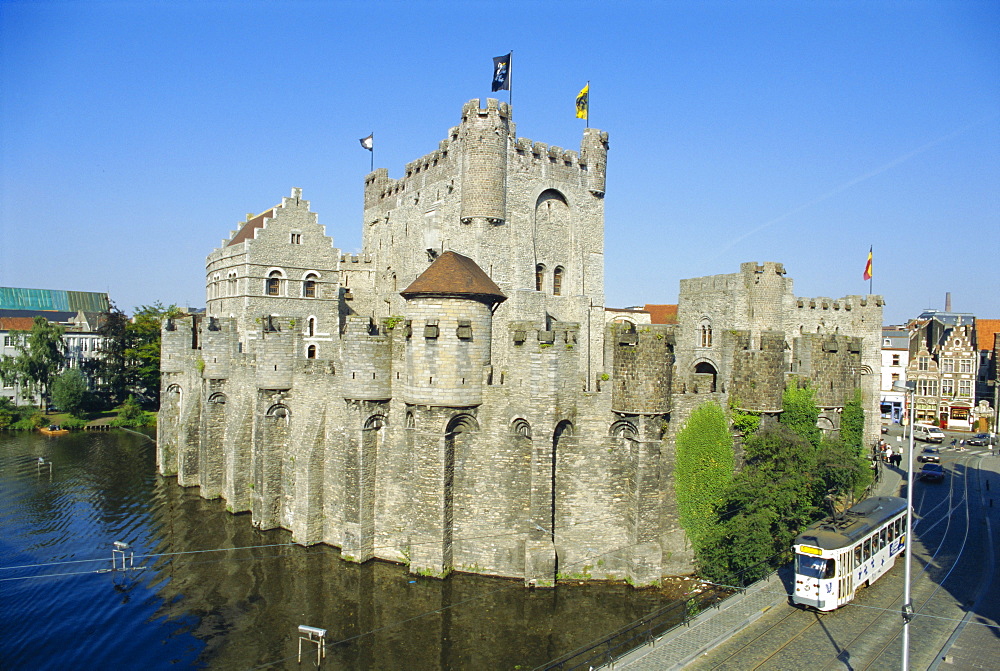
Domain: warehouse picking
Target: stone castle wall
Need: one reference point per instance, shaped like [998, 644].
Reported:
[524, 438]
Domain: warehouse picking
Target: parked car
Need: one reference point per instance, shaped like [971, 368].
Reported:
[932, 473]
[981, 439]
[930, 455]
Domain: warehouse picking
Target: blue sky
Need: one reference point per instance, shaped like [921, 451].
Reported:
[135, 135]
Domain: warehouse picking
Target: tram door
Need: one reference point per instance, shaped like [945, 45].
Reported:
[845, 584]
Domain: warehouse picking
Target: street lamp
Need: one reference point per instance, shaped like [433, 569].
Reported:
[908, 388]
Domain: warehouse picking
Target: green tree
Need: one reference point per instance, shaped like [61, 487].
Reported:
[8, 412]
[842, 472]
[110, 368]
[704, 468]
[11, 372]
[799, 412]
[130, 356]
[39, 356]
[143, 352]
[69, 392]
[769, 501]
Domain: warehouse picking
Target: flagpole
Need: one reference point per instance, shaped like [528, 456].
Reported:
[871, 280]
[372, 152]
[510, 78]
[588, 103]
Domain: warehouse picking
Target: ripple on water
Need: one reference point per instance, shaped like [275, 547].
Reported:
[239, 607]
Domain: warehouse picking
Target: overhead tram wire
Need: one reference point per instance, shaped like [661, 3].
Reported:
[156, 555]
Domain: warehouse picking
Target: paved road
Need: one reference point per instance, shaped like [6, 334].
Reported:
[955, 591]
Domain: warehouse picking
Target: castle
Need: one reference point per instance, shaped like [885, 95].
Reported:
[454, 397]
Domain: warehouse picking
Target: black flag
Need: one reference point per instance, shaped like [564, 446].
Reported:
[501, 73]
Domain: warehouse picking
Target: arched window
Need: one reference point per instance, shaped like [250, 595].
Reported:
[309, 286]
[539, 277]
[623, 429]
[706, 333]
[311, 327]
[278, 411]
[311, 352]
[232, 282]
[520, 427]
[557, 281]
[274, 283]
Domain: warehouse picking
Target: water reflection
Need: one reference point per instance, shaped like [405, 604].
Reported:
[240, 607]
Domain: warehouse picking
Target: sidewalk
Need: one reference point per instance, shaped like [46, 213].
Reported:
[683, 644]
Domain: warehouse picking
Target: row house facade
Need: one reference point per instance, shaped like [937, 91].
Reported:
[944, 364]
[895, 358]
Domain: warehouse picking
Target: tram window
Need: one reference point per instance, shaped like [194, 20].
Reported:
[881, 538]
[857, 556]
[814, 567]
[868, 549]
[891, 536]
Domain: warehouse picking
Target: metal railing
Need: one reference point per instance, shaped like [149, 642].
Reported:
[613, 646]
[647, 629]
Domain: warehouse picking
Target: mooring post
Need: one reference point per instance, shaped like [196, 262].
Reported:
[118, 550]
[313, 635]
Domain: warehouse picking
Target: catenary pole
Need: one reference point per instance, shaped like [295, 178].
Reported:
[907, 604]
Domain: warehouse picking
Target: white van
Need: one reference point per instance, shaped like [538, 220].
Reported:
[928, 433]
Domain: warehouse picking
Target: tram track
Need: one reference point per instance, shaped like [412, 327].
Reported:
[793, 633]
[965, 500]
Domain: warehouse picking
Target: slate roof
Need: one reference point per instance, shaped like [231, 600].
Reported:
[246, 232]
[455, 275]
[56, 317]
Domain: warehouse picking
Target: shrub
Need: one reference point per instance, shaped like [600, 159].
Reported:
[131, 415]
[29, 422]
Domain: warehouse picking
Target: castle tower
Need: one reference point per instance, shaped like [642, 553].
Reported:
[449, 311]
[484, 134]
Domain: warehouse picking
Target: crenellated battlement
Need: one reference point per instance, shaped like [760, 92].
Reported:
[355, 259]
[494, 108]
[847, 303]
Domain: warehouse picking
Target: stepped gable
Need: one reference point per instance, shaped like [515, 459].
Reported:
[247, 230]
[455, 275]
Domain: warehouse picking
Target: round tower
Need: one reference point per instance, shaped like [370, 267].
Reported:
[449, 313]
[484, 134]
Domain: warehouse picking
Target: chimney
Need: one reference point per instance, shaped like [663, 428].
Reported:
[947, 301]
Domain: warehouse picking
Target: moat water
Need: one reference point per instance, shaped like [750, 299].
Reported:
[216, 593]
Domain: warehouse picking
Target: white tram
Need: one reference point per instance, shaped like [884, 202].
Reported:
[835, 557]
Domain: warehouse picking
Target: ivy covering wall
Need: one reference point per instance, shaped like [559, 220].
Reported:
[704, 470]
